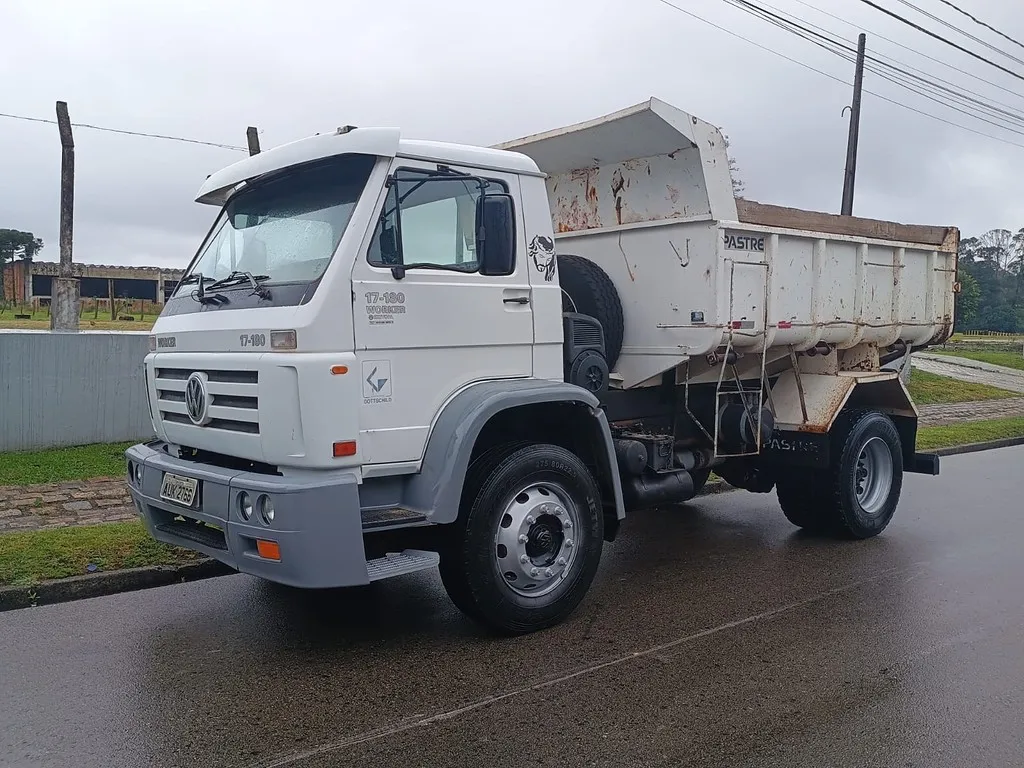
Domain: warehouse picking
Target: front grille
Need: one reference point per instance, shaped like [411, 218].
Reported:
[234, 398]
[195, 530]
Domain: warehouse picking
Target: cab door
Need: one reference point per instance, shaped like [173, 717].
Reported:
[427, 323]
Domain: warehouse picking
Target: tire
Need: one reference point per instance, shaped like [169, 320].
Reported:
[862, 505]
[857, 495]
[588, 290]
[481, 565]
[700, 479]
[804, 499]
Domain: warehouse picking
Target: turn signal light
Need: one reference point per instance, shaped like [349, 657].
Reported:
[345, 448]
[268, 550]
[339, 370]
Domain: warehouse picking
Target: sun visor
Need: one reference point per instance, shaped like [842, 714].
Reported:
[218, 187]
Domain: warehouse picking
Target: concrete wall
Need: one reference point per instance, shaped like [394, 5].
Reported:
[71, 389]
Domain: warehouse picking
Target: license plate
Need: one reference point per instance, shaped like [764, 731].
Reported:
[180, 490]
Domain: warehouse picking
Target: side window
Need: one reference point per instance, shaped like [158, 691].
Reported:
[429, 220]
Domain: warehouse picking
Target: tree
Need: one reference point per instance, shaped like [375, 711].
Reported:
[738, 187]
[967, 301]
[15, 243]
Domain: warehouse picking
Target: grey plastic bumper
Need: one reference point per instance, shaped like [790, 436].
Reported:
[316, 523]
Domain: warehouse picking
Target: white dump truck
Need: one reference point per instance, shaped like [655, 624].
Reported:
[389, 355]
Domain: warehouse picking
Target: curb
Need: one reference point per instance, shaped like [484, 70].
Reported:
[991, 445]
[103, 584]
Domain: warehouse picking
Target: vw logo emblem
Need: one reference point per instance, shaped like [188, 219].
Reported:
[197, 398]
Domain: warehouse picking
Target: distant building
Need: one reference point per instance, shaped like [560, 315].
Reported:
[24, 281]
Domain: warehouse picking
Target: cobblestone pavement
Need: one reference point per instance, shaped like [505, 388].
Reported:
[57, 505]
[948, 413]
[971, 370]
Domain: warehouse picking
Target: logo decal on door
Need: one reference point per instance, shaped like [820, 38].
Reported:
[376, 381]
[542, 253]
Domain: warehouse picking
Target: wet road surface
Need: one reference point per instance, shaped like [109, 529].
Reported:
[715, 634]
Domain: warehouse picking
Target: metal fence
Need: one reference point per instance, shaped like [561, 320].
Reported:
[71, 388]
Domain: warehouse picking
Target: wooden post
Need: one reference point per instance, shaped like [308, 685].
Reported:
[253, 139]
[64, 311]
[110, 296]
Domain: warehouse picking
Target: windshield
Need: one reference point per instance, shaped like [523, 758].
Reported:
[287, 227]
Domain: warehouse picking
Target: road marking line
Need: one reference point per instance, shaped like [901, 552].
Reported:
[420, 721]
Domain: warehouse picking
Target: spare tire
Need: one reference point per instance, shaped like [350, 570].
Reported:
[587, 289]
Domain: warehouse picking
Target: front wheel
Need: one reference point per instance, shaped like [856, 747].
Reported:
[528, 540]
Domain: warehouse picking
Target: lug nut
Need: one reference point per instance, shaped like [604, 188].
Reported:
[560, 561]
[524, 559]
[522, 538]
[567, 524]
[544, 508]
[548, 572]
[568, 543]
[534, 572]
[559, 511]
[530, 520]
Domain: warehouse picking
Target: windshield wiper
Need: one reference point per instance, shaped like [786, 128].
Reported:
[200, 294]
[238, 277]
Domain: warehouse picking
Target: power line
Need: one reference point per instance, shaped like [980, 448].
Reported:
[903, 46]
[842, 47]
[955, 28]
[939, 37]
[978, 21]
[125, 132]
[837, 79]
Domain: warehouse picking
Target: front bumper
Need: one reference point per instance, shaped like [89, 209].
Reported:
[317, 522]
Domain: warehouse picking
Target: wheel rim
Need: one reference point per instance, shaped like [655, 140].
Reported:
[873, 477]
[535, 544]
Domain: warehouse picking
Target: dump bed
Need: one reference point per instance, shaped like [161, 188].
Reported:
[646, 193]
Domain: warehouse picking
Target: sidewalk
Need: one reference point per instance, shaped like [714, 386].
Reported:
[970, 370]
[950, 413]
[57, 505]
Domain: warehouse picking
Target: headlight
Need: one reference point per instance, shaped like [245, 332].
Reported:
[244, 505]
[138, 475]
[266, 510]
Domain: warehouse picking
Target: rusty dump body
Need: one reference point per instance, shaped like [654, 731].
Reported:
[646, 193]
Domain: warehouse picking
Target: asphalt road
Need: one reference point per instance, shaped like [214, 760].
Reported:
[715, 635]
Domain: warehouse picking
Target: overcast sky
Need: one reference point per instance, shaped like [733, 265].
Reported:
[478, 72]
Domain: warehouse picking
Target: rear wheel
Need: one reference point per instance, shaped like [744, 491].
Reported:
[857, 494]
[528, 540]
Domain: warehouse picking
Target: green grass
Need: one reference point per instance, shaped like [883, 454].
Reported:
[63, 464]
[1005, 359]
[932, 389]
[27, 557]
[41, 321]
[930, 438]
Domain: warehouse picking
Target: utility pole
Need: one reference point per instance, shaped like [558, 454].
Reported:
[253, 140]
[64, 295]
[851, 145]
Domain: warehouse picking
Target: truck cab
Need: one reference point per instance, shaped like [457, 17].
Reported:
[378, 361]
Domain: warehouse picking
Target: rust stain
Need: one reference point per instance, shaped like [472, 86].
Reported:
[617, 182]
[673, 194]
[592, 193]
[618, 209]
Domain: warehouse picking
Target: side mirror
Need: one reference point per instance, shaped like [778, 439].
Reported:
[496, 235]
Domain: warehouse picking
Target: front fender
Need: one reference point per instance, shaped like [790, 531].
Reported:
[436, 490]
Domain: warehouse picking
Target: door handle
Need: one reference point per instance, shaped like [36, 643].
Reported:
[517, 300]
